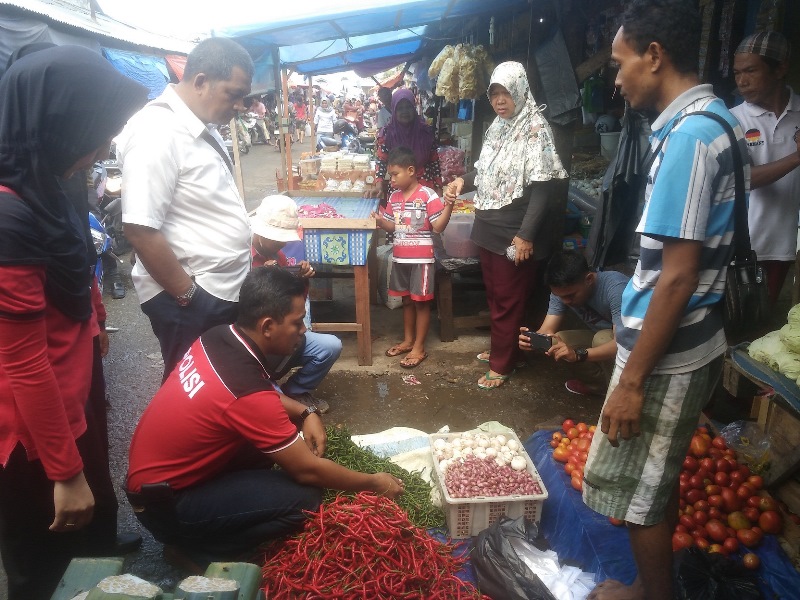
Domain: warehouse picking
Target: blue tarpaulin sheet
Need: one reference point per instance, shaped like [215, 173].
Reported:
[588, 539]
[150, 71]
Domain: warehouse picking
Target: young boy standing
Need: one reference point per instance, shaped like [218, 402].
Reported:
[412, 212]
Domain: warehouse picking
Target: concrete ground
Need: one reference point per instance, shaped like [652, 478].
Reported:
[365, 399]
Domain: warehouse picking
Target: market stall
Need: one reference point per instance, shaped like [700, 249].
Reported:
[338, 231]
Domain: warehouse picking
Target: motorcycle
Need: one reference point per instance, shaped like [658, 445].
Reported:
[349, 135]
[106, 267]
[109, 206]
[255, 128]
[225, 133]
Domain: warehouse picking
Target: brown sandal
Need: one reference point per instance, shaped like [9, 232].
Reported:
[397, 350]
[411, 362]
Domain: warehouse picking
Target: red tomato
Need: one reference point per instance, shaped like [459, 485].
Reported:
[577, 483]
[558, 436]
[745, 471]
[716, 530]
[715, 513]
[712, 489]
[696, 482]
[561, 454]
[717, 549]
[767, 503]
[701, 505]
[748, 538]
[700, 517]
[687, 522]
[756, 482]
[569, 467]
[616, 522]
[731, 545]
[721, 479]
[582, 427]
[702, 543]
[693, 495]
[688, 510]
[553, 443]
[771, 521]
[737, 476]
[744, 492]
[572, 433]
[678, 528]
[751, 513]
[719, 442]
[700, 532]
[681, 541]
[715, 501]
[707, 464]
[698, 446]
[715, 452]
[690, 464]
[722, 466]
[730, 501]
[567, 425]
[751, 561]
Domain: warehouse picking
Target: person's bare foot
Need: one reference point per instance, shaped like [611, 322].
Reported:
[611, 589]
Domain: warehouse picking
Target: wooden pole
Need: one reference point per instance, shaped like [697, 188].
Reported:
[286, 131]
[237, 163]
[310, 114]
[276, 71]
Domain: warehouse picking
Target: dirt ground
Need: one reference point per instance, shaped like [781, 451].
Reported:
[374, 398]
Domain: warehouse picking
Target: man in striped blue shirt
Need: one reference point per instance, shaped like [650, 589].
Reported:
[671, 342]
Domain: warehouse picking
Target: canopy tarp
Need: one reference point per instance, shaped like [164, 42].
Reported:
[150, 71]
[177, 63]
[349, 33]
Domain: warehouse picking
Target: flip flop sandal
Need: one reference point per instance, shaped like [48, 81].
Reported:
[489, 377]
[411, 363]
[396, 350]
[521, 364]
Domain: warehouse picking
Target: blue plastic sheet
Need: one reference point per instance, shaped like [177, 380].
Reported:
[579, 534]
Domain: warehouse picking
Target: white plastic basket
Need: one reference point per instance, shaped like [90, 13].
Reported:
[467, 517]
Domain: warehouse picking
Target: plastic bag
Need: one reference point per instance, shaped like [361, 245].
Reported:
[447, 84]
[704, 576]
[500, 571]
[467, 74]
[438, 62]
[308, 129]
[752, 445]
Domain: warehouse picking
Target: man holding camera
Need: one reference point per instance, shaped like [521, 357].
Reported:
[596, 299]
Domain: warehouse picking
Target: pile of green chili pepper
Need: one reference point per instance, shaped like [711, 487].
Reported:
[415, 501]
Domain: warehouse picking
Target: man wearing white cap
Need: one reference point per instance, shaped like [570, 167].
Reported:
[275, 223]
[770, 117]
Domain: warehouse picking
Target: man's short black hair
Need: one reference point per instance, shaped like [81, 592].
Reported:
[216, 58]
[268, 292]
[674, 24]
[401, 157]
[567, 267]
[385, 96]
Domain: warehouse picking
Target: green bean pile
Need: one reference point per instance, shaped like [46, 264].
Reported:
[415, 501]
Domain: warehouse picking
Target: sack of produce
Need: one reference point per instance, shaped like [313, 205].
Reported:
[447, 84]
[438, 62]
[467, 75]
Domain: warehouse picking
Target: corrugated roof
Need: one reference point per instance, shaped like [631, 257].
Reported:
[77, 14]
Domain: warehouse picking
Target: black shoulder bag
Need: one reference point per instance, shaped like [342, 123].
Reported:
[746, 302]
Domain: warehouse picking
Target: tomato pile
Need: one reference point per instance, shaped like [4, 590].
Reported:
[571, 447]
[721, 509]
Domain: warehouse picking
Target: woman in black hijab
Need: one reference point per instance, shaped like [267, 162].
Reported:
[59, 109]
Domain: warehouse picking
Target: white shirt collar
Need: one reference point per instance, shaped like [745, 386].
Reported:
[182, 112]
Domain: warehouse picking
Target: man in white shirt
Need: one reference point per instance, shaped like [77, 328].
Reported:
[182, 211]
[770, 117]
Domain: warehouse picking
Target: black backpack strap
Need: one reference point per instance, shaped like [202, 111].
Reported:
[741, 230]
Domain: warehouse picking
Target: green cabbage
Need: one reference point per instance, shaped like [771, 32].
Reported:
[765, 348]
[788, 364]
[790, 336]
[794, 316]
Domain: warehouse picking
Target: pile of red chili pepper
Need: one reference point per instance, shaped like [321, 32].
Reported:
[363, 547]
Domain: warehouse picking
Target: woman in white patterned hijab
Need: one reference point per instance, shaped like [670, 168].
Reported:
[514, 211]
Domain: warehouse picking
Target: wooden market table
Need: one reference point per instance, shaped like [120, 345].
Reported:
[343, 242]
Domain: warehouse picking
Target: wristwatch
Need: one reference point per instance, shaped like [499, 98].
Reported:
[581, 354]
[185, 298]
[308, 411]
